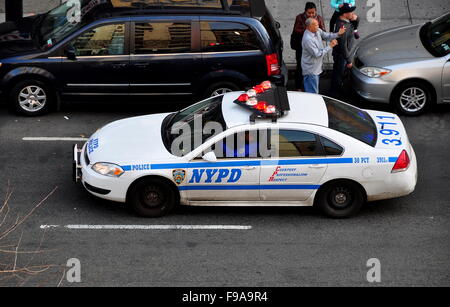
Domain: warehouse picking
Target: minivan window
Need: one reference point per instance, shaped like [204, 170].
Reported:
[162, 37]
[227, 36]
[351, 121]
[101, 41]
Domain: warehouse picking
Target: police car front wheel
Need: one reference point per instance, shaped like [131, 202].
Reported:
[341, 199]
[152, 198]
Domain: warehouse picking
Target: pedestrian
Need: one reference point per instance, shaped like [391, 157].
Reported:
[337, 5]
[342, 54]
[314, 52]
[297, 37]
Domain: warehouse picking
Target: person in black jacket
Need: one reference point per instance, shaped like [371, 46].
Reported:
[342, 55]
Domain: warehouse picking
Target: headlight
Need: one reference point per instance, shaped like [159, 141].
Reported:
[108, 169]
[375, 72]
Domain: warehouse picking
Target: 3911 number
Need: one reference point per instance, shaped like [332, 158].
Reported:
[389, 132]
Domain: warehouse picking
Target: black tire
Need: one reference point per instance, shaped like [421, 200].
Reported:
[412, 98]
[224, 85]
[28, 87]
[152, 198]
[340, 199]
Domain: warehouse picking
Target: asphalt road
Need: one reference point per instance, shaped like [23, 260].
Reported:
[284, 247]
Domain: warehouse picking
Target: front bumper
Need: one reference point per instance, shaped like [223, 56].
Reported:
[104, 187]
[372, 89]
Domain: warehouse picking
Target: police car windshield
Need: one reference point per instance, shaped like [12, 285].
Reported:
[180, 130]
[351, 121]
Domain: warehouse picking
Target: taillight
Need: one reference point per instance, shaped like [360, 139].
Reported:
[273, 66]
[402, 163]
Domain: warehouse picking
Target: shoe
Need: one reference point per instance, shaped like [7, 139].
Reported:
[356, 34]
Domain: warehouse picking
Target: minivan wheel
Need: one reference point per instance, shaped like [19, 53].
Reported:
[220, 88]
[31, 98]
[152, 198]
[412, 99]
[341, 199]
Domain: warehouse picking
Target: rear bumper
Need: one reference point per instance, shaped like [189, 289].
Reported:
[372, 89]
[283, 78]
[398, 184]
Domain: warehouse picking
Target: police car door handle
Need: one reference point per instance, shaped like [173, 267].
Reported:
[317, 166]
[249, 168]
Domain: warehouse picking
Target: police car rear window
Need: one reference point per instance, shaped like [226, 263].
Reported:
[351, 121]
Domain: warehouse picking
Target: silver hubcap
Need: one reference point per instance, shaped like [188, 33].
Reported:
[32, 98]
[221, 91]
[413, 99]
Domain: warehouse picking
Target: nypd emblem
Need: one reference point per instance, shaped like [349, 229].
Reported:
[179, 175]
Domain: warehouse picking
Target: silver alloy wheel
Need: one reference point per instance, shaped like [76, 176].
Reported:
[221, 91]
[413, 99]
[32, 98]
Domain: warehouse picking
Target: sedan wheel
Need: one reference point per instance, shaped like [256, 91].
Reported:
[413, 99]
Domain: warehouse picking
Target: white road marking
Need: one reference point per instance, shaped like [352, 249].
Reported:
[54, 139]
[150, 227]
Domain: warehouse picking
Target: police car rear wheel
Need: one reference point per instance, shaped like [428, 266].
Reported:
[152, 198]
[340, 199]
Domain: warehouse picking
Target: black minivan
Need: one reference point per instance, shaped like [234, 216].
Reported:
[133, 48]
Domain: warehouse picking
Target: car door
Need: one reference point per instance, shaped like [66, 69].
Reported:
[101, 62]
[235, 175]
[162, 57]
[295, 171]
[446, 80]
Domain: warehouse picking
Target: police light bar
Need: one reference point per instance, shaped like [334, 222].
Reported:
[266, 101]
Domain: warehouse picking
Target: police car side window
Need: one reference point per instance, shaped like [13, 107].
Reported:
[101, 41]
[293, 143]
[162, 37]
[242, 145]
[331, 148]
[227, 36]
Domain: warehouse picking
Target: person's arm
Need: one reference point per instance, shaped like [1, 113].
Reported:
[328, 36]
[322, 23]
[345, 51]
[311, 47]
[299, 27]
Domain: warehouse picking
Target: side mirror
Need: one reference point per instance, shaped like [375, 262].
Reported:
[210, 157]
[70, 53]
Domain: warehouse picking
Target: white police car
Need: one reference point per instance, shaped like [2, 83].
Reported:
[266, 147]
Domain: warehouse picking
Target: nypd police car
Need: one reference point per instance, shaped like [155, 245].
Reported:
[264, 147]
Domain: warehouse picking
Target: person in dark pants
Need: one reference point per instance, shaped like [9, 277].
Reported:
[342, 55]
[297, 37]
[337, 5]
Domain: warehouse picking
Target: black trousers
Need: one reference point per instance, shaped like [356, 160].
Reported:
[299, 71]
[337, 79]
[335, 17]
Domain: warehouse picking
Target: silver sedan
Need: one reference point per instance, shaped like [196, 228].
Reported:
[408, 66]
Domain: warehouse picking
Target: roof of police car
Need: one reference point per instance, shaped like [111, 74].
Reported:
[305, 109]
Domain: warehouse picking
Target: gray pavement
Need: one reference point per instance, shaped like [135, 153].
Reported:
[285, 247]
